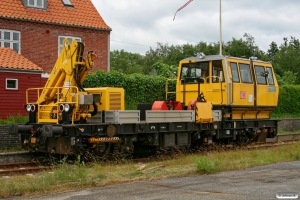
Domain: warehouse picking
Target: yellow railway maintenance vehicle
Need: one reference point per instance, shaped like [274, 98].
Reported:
[235, 96]
[218, 99]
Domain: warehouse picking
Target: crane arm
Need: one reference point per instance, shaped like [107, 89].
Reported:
[69, 70]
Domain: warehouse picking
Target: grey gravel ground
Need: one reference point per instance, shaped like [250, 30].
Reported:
[253, 183]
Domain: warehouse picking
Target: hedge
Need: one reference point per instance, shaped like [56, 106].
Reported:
[146, 89]
[288, 101]
[138, 88]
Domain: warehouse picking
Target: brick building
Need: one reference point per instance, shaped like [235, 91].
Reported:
[35, 29]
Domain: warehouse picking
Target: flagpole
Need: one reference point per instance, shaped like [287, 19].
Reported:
[220, 27]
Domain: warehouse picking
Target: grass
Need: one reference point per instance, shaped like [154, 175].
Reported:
[282, 132]
[14, 119]
[284, 115]
[12, 149]
[80, 176]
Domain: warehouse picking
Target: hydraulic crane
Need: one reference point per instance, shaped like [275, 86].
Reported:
[63, 99]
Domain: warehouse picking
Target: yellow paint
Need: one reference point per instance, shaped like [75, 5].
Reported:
[63, 88]
[247, 92]
[204, 112]
[111, 98]
[93, 140]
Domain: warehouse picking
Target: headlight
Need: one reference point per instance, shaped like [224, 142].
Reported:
[67, 107]
[28, 106]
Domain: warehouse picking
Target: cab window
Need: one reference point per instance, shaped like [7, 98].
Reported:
[217, 71]
[270, 76]
[260, 78]
[234, 72]
[191, 72]
[245, 73]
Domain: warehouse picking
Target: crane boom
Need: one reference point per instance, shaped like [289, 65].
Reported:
[63, 93]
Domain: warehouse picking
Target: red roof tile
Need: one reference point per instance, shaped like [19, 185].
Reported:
[9, 59]
[82, 14]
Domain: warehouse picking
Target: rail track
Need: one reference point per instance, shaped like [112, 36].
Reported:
[21, 168]
[13, 168]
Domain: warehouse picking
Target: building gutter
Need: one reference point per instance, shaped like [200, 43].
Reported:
[27, 71]
[58, 24]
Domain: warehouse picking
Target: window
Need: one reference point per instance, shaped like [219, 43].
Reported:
[11, 84]
[36, 3]
[10, 39]
[193, 71]
[270, 76]
[61, 39]
[234, 72]
[67, 3]
[218, 71]
[260, 78]
[245, 73]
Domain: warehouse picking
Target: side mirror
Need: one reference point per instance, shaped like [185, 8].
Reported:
[264, 74]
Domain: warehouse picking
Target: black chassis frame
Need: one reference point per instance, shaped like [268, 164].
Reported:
[160, 134]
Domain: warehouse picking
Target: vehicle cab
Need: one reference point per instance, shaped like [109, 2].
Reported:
[247, 86]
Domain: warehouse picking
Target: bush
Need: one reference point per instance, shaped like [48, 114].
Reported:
[19, 119]
[138, 88]
[288, 101]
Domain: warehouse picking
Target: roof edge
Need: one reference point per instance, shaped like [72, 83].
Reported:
[34, 71]
[68, 25]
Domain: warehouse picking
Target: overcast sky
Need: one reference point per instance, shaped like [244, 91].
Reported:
[138, 25]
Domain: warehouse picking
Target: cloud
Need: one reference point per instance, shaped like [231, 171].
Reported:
[138, 25]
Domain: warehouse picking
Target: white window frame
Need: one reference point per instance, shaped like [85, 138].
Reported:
[35, 3]
[70, 38]
[10, 41]
[12, 79]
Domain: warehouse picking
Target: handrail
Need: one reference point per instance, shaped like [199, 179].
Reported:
[166, 87]
[58, 90]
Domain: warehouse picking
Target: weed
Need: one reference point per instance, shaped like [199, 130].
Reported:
[204, 164]
[282, 132]
[71, 173]
[284, 115]
[13, 149]
[79, 162]
[12, 119]
[254, 154]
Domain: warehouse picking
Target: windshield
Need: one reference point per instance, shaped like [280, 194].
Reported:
[194, 70]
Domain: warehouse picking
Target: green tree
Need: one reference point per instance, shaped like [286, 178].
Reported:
[207, 48]
[244, 48]
[165, 70]
[288, 78]
[126, 62]
[170, 55]
[287, 58]
[273, 50]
